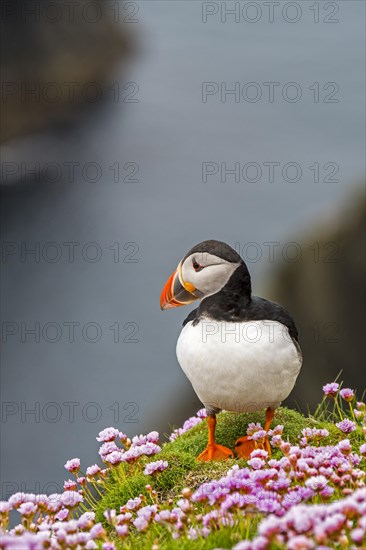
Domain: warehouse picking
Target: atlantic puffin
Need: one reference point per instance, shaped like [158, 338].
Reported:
[240, 352]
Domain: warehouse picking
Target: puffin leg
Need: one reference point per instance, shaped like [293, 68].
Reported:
[269, 417]
[245, 446]
[214, 451]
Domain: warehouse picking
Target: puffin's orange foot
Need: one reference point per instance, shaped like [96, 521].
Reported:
[215, 452]
[245, 446]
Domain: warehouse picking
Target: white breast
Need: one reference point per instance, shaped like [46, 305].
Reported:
[240, 367]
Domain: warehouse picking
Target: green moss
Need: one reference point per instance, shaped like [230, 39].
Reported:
[120, 487]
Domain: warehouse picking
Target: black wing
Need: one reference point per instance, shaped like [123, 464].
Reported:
[191, 317]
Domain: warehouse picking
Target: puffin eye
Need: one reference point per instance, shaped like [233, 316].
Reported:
[196, 265]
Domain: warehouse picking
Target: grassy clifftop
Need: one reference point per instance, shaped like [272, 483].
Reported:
[308, 493]
[128, 481]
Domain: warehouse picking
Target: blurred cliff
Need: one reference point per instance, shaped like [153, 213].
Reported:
[51, 54]
[325, 292]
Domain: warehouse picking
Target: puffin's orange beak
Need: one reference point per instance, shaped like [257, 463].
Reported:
[176, 292]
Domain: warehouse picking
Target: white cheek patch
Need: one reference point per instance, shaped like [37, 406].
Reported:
[214, 275]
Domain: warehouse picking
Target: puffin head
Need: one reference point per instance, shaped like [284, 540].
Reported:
[204, 271]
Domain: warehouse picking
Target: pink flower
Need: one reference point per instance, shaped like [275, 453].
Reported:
[91, 545]
[122, 530]
[70, 499]
[136, 451]
[97, 531]
[331, 389]
[347, 394]
[86, 520]
[141, 523]
[357, 535]
[277, 430]
[73, 465]
[316, 483]
[276, 440]
[92, 470]
[345, 446]
[256, 463]
[253, 427]
[70, 485]
[124, 518]
[27, 509]
[154, 467]
[259, 435]
[259, 453]
[153, 437]
[62, 514]
[188, 424]
[17, 499]
[113, 458]
[300, 542]
[4, 507]
[346, 426]
[108, 434]
[107, 448]
[133, 503]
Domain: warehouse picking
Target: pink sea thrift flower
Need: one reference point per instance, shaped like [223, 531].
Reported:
[331, 389]
[17, 499]
[133, 503]
[316, 483]
[346, 426]
[188, 424]
[345, 446]
[253, 427]
[136, 451]
[114, 457]
[27, 509]
[70, 499]
[141, 523]
[347, 394]
[258, 436]
[154, 467]
[153, 437]
[277, 430]
[108, 434]
[122, 530]
[107, 448]
[62, 514]
[4, 507]
[86, 520]
[73, 465]
[92, 470]
[70, 485]
[97, 531]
